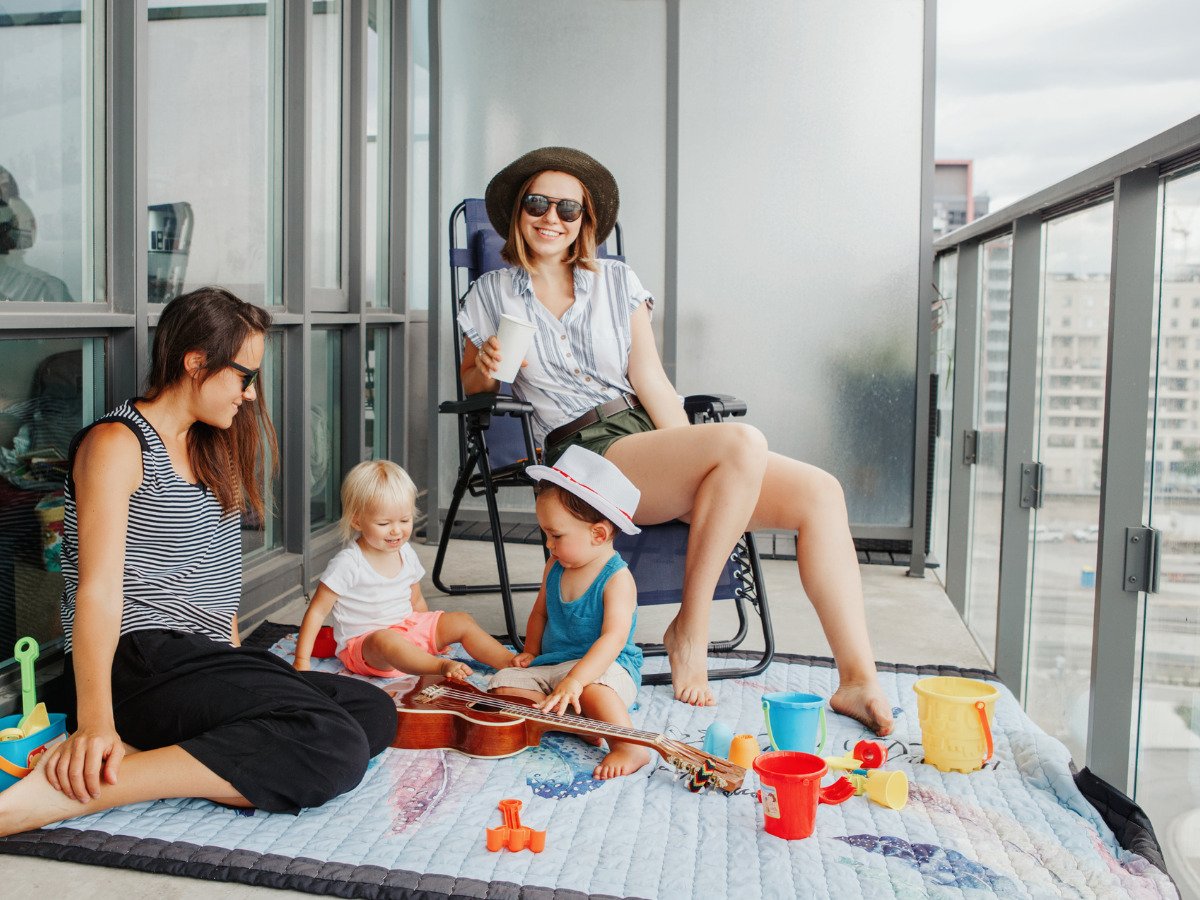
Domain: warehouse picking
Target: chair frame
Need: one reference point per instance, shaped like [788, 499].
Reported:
[475, 476]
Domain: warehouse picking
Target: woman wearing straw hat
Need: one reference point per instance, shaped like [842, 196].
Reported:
[594, 378]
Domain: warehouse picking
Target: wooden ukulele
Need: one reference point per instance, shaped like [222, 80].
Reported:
[449, 714]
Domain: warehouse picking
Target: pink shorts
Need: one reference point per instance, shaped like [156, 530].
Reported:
[419, 629]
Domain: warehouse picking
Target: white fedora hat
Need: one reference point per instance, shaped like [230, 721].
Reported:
[595, 481]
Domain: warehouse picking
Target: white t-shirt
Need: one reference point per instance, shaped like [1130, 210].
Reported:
[576, 362]
[368, 601]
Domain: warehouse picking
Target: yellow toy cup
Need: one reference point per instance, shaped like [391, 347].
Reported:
[956, 716]
[886, 787]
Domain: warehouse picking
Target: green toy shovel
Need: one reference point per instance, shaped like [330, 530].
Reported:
[33, 714]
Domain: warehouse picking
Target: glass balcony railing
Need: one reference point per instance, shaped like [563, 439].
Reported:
[1066, 501]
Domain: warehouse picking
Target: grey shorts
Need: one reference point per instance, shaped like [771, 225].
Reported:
[545, 679]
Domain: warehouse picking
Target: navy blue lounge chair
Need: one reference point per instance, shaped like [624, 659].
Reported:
[495, 441]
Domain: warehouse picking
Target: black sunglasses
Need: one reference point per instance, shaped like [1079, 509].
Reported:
[538, 204]
[249, 376]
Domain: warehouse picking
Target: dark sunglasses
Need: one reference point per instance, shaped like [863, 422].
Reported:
[249, 376]
[538, 204]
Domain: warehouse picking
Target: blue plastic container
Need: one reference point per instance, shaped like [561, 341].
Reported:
[795, 721]
[14, 755]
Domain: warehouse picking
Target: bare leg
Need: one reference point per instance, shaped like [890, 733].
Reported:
[388, 649]
[798, 496]
[713, 482]
[599, 701]
[147, 775]
[460, 627]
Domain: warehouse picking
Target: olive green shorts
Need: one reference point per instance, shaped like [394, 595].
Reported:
[599, 437]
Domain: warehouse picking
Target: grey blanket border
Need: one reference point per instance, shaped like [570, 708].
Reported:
[334, 879]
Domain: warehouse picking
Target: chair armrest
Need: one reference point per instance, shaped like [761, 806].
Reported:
[496, 404]
[713, 407]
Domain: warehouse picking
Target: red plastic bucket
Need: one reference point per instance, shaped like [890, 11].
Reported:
[791, 792]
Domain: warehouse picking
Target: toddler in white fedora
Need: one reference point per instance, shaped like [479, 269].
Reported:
[579, 649]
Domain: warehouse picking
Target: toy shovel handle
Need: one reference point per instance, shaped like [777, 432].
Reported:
[838, 792]
[767, 715]
[26, 652]
[981, 708]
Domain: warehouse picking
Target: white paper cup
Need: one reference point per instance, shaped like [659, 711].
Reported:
[515, 335]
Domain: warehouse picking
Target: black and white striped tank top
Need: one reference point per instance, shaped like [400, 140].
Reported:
[183, 560]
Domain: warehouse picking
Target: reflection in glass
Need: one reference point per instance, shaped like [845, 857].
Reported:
[325, 146]
[418, 226]
[208, 167]
[941, 365]
[991, 408]
[1072, 359]
[49, 389]
[259, 535]
[1167, 767]
[45, 155]
[325, 463]
[377, 152]
[376, 434]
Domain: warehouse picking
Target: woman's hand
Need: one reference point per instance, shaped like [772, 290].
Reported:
[487, 357]
[522, 660]
[77, 766]
[564, 697]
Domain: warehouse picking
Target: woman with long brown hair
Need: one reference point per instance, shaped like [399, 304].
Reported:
[161, 700]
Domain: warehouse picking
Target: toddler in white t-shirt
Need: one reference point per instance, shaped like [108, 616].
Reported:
[373, 587]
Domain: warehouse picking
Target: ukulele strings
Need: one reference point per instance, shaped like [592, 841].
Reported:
[517, 709]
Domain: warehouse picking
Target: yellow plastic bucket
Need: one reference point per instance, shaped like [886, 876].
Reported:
[956, 716]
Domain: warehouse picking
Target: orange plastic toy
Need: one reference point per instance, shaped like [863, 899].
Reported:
[512, 834]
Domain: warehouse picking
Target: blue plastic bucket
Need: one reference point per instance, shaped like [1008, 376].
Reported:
[15, 755]
[794, 721]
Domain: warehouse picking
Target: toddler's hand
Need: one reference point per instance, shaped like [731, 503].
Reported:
[564, 697]
[522, 660]
[452, 668]
[301, 665]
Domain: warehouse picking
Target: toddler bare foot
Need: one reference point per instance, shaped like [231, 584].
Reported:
[452, 668]
[866, 702]
[625, 760]
[689, 668]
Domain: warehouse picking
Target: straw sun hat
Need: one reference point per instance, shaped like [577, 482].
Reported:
[501, 196]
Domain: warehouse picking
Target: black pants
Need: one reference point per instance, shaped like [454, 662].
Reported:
[284, 739]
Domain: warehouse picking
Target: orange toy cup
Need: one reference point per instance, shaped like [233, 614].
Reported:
[791, 792]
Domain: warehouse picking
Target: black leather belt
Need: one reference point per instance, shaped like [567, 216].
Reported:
[592, 416]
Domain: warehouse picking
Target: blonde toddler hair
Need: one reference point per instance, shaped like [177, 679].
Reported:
[372, 484]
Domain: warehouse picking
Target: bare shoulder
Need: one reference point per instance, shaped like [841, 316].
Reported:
[110, 456]
[620, 584]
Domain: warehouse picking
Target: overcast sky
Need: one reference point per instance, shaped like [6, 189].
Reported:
[1037, 90]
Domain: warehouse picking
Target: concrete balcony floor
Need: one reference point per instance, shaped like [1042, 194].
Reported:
[910, 619]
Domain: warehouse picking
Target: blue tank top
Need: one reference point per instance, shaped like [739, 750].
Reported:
[572, 628]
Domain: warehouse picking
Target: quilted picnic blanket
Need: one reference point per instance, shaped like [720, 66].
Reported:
[416, 825]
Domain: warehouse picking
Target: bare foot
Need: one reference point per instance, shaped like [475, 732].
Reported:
[689, 668]
[866, 702]
[625, 760]
[452, 668]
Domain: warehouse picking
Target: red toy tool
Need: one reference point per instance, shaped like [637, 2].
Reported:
[512, 834]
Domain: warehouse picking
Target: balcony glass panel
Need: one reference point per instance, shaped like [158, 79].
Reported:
[377, 380]
[48, 154]
[325, 145]
[377, 152]
[941, 365]
[262, 535]
[208, 139]
[418, 182]
[325, 463]
[49, 389]
[1071, 378]
[1167, 765]
[991, 408]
